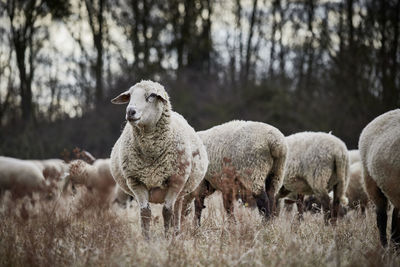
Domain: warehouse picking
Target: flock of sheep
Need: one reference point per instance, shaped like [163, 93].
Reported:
[159, 158]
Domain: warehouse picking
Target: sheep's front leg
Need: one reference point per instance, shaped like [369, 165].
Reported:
[142, 196]
[175, 186]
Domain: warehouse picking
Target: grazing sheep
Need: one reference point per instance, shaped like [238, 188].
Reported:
[51, 168]
[317, 163]
[159, 157]
[379, 146]
[247, 161]
[356, 192]
[97, 176]
[354, 156]
[21, 177]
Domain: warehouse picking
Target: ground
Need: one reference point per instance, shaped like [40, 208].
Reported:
[83, 231]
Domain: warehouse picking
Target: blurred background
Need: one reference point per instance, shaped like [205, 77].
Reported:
[298, 65]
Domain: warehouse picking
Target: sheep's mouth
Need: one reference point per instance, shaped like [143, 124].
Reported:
[130, 119]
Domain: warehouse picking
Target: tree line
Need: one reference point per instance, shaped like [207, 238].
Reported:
[296, 64]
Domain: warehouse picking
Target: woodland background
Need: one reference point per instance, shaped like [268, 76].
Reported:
[295, 64]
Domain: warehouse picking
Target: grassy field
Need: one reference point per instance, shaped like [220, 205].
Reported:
[84, 231]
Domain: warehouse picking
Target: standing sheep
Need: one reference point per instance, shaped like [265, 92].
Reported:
[247, 161]
[379, 146]
[20, 176]
[317, 163]
[158, 158]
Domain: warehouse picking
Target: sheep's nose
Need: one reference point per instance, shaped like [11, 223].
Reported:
[131, 112]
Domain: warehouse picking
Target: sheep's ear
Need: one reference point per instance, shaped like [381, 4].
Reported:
[163, 97]
[122, 98]
[89, 158]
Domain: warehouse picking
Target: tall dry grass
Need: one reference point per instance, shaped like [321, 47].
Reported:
[87, 231]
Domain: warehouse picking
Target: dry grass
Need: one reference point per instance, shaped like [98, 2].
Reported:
[84, 231]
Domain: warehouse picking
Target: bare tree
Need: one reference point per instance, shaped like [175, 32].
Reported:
[95, 10]
[25, 19]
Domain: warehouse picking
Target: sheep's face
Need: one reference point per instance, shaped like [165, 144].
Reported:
[145, 104]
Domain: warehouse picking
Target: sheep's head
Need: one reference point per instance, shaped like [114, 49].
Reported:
[146, 103]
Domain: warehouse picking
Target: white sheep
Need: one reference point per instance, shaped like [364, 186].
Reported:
[159, 157]
[379, 146]
[94, 177]
[21, 177]
[51, 168]
[354, 156]
[317, 163]
[356, 192]
[247, 161]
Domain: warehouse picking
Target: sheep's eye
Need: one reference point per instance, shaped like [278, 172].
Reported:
[151, 97]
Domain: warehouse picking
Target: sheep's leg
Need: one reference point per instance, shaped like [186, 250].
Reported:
[263, 204]
[206, 190]
[300, 205]
[335, 205]
[396, 228]
[177, 214]
[326, 206]
[227, 198]
[203, 190]
[186, 209]
[175, 186]
[270, 190]
[283, 192]
[142, 196]
[381, 204]
[198, 208]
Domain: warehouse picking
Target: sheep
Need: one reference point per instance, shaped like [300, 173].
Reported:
[51, 168]
[379, 146]
[93, 177]
[356, 192]
[354, 156]
[247, 161]
[158, 158]
[317, 163]
[20, 176]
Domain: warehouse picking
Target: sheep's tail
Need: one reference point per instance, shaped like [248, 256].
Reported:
[275, 178]
[342, 165]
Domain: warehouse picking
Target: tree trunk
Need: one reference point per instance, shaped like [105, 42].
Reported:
[273, 31]
[249, 41]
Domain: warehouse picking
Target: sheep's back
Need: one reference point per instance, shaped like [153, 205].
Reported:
[17, 173]
[380, 153]
[311, 161]
[241, 149]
